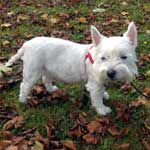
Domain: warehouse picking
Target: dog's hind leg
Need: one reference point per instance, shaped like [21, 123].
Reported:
[28, 82]
[48, 84]
[106, 96]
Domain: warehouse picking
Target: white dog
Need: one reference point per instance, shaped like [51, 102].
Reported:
[104, 60]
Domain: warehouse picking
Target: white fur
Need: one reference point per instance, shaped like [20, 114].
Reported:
[56, 59]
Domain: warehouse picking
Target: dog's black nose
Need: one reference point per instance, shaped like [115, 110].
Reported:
[111, 74]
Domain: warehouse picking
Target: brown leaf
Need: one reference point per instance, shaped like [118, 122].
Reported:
[123, 146]
[17, 139]
[56, 144]
[4, 144]
[29, 132]
[147, 91]
[59, 94]
[94, 126]
[38, 90]
[105, 121]
[114, 131]
[23, 145]
[70, 145]
[123, 112]
[5, 134]
[77, 131]
[15, 122]
[7, 113]
[92, 139]
[12, 148]
[146, 143]
[81, 120]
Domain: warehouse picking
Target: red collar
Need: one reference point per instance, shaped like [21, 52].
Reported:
[89, 56]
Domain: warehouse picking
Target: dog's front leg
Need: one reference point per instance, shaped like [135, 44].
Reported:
[97, 93]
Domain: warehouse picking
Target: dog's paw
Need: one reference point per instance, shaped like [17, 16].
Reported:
[54, 88]
[51, 89]
[103, 110]
[106, 96]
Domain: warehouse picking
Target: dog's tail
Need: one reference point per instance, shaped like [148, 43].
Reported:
[15, 57]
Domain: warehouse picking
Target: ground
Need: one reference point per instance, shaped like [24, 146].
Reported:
[127, 127]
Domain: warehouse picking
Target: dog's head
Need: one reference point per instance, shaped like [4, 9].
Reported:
[115, 57]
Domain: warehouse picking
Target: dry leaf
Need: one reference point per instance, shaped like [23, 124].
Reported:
[82, 20]
[124, 146]
[10, 13]
[146, 143]
[6, 42]
[22, 17]
[12, 148]
[37, 146]
[44, 16]
[53, 20]
[4, 144]
[15, 122]
[70, 145]
[94, 126]
[6, 25]
[92, 139]
[124, 13]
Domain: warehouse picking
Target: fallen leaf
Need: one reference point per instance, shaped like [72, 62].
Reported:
[44, 16]
[23, 145]
[70, 145]
[6, 25]
[5, 134]
[94, 126]
[4, 144]
[37, 146]
[147, 91]
[59, 94]
[22, 17]
[38, 90]
[99, 10]
[53, 20]
[10, 13]
[144, 101]
[77, 131]
[28, 35]
[82, 20]
[56, 144]
[6, 42]
[92, 138]
[123, 146]
[124, 3]
[146, 143]
[12, 148]
[114, 131]
[124, 13]
[15, 122]
[7, 113]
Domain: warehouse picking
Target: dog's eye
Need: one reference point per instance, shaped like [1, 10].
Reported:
[123, 57]
[103, 58]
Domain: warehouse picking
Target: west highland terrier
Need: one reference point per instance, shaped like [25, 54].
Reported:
[106, 59]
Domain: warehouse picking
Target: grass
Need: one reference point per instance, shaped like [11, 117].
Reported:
[40, 115]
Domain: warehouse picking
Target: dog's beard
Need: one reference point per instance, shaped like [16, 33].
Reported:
[124, 73]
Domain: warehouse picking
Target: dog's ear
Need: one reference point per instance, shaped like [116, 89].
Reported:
[132, 34]
[96, 36]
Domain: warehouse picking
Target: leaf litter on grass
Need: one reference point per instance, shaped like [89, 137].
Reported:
[46, 23]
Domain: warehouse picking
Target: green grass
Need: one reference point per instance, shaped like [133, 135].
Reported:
[38, 117]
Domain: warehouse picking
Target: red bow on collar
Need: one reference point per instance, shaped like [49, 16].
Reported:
[89, 56]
